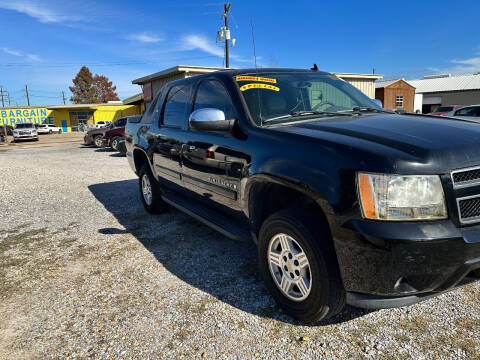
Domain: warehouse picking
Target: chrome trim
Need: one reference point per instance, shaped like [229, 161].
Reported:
[471, 219]
[466, 184]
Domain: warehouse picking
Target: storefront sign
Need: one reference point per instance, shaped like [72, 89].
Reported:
[31, 115]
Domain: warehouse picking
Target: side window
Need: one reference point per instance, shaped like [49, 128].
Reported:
[148, 116]
[212, 94]
[176, 104]
[469, 111]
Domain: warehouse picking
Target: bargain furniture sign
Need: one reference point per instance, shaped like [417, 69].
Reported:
[30, 115]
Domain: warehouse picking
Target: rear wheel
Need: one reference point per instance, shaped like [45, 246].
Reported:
[98, 141]
[298, 264]
[150, 191]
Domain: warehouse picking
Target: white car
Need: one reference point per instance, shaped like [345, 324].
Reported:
[471, 112]
[102, 124]
[48, 129]
[25, 131]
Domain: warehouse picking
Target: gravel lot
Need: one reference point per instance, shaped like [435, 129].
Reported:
[86, 272]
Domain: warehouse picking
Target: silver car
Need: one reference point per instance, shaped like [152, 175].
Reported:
[471, 113]
[25, 131]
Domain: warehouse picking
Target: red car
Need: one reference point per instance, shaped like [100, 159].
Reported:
[442, 110]
[112, 137]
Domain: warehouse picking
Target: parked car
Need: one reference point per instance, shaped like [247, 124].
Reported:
[102, 124]
[471, 113]
[95, 136]
[8, 128]
[3, 133]
[48, 129]
[443, 110]
[112, 137]
[25, 131]
[347, 202]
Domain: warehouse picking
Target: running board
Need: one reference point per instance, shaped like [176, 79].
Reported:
[207, 216]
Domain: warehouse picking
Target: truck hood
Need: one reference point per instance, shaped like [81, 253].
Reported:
[452, 143]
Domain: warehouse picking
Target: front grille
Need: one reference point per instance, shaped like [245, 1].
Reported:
[466, 177]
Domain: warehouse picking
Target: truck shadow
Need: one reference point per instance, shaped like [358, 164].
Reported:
[201, 257]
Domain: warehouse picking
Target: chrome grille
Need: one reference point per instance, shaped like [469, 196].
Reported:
[466, 177]
[469, 209]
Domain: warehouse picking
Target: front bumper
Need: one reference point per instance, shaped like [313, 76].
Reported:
[25, 137]
[380, 260]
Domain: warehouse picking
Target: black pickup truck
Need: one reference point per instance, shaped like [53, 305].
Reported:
[347, 202]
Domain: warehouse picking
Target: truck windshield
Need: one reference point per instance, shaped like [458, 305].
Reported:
[275, 96]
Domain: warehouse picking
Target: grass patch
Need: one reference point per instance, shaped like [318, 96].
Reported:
[416, 326]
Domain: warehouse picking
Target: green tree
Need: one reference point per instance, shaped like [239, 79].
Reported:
[83, 91]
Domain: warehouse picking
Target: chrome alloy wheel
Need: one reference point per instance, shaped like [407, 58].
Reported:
[98, 141]
[289, 267]
[147, 189]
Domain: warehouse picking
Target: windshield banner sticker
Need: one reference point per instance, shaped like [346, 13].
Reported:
[259, 86]
[255, 78]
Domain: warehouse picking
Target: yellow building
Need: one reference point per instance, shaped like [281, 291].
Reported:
[72, 117]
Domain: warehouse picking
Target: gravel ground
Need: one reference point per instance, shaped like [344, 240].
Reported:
[86, 272]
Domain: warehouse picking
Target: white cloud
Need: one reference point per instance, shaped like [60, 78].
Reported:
[145, 37]
[198, 42]
[33, 57]
[30, 57]
[11, 52]
[193, 42]
[37, 10]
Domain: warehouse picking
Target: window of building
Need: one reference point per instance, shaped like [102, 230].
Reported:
[175, 109]
[212, 94]
[399, 101]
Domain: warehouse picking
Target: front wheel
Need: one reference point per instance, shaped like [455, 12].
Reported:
[298, 264]
[114, 143]
[98, 141]
[150, 192]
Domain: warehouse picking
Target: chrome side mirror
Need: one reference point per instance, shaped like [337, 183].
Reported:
[209, 119]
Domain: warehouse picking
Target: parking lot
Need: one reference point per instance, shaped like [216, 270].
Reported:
[86, 272]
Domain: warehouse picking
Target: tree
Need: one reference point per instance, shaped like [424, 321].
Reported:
[104, 90]
[82, 89]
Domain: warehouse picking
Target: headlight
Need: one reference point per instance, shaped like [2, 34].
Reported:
[401, 197]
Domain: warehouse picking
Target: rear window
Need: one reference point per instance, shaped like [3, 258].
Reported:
[444, 109]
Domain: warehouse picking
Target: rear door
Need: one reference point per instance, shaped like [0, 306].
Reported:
[169, 132]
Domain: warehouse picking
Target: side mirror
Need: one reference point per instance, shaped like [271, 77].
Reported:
[135, 119]
[378, 102]
[209, 119]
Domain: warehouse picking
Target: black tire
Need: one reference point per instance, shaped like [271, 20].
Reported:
[114, 142]
[50, 132]
[157, 205]
[327, 295]
[36, 139]
[98, 141]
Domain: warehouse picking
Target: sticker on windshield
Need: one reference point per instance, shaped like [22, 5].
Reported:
[258, 86]
[255, 78]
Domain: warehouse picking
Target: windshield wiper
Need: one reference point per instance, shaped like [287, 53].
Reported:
[305, 113]
[370, 109]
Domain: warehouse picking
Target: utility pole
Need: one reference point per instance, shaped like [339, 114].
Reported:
[2, 94]
[226, 8]
[63, 97]
[8, 97]
[26, 92]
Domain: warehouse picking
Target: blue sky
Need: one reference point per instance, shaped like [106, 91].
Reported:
[45, 42]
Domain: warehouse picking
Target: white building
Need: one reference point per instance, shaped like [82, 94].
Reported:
[436, 90]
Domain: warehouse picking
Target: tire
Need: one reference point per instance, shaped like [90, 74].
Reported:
[155, 205]
[50, 132]
[36, 139]
[98, 141]
[114, 143]
[321, 294]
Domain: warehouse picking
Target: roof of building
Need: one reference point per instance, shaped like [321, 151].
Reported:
[133, 99]
[447, 83]
[79, 106]
[358, 76]
[176, 70]
[384, 83]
